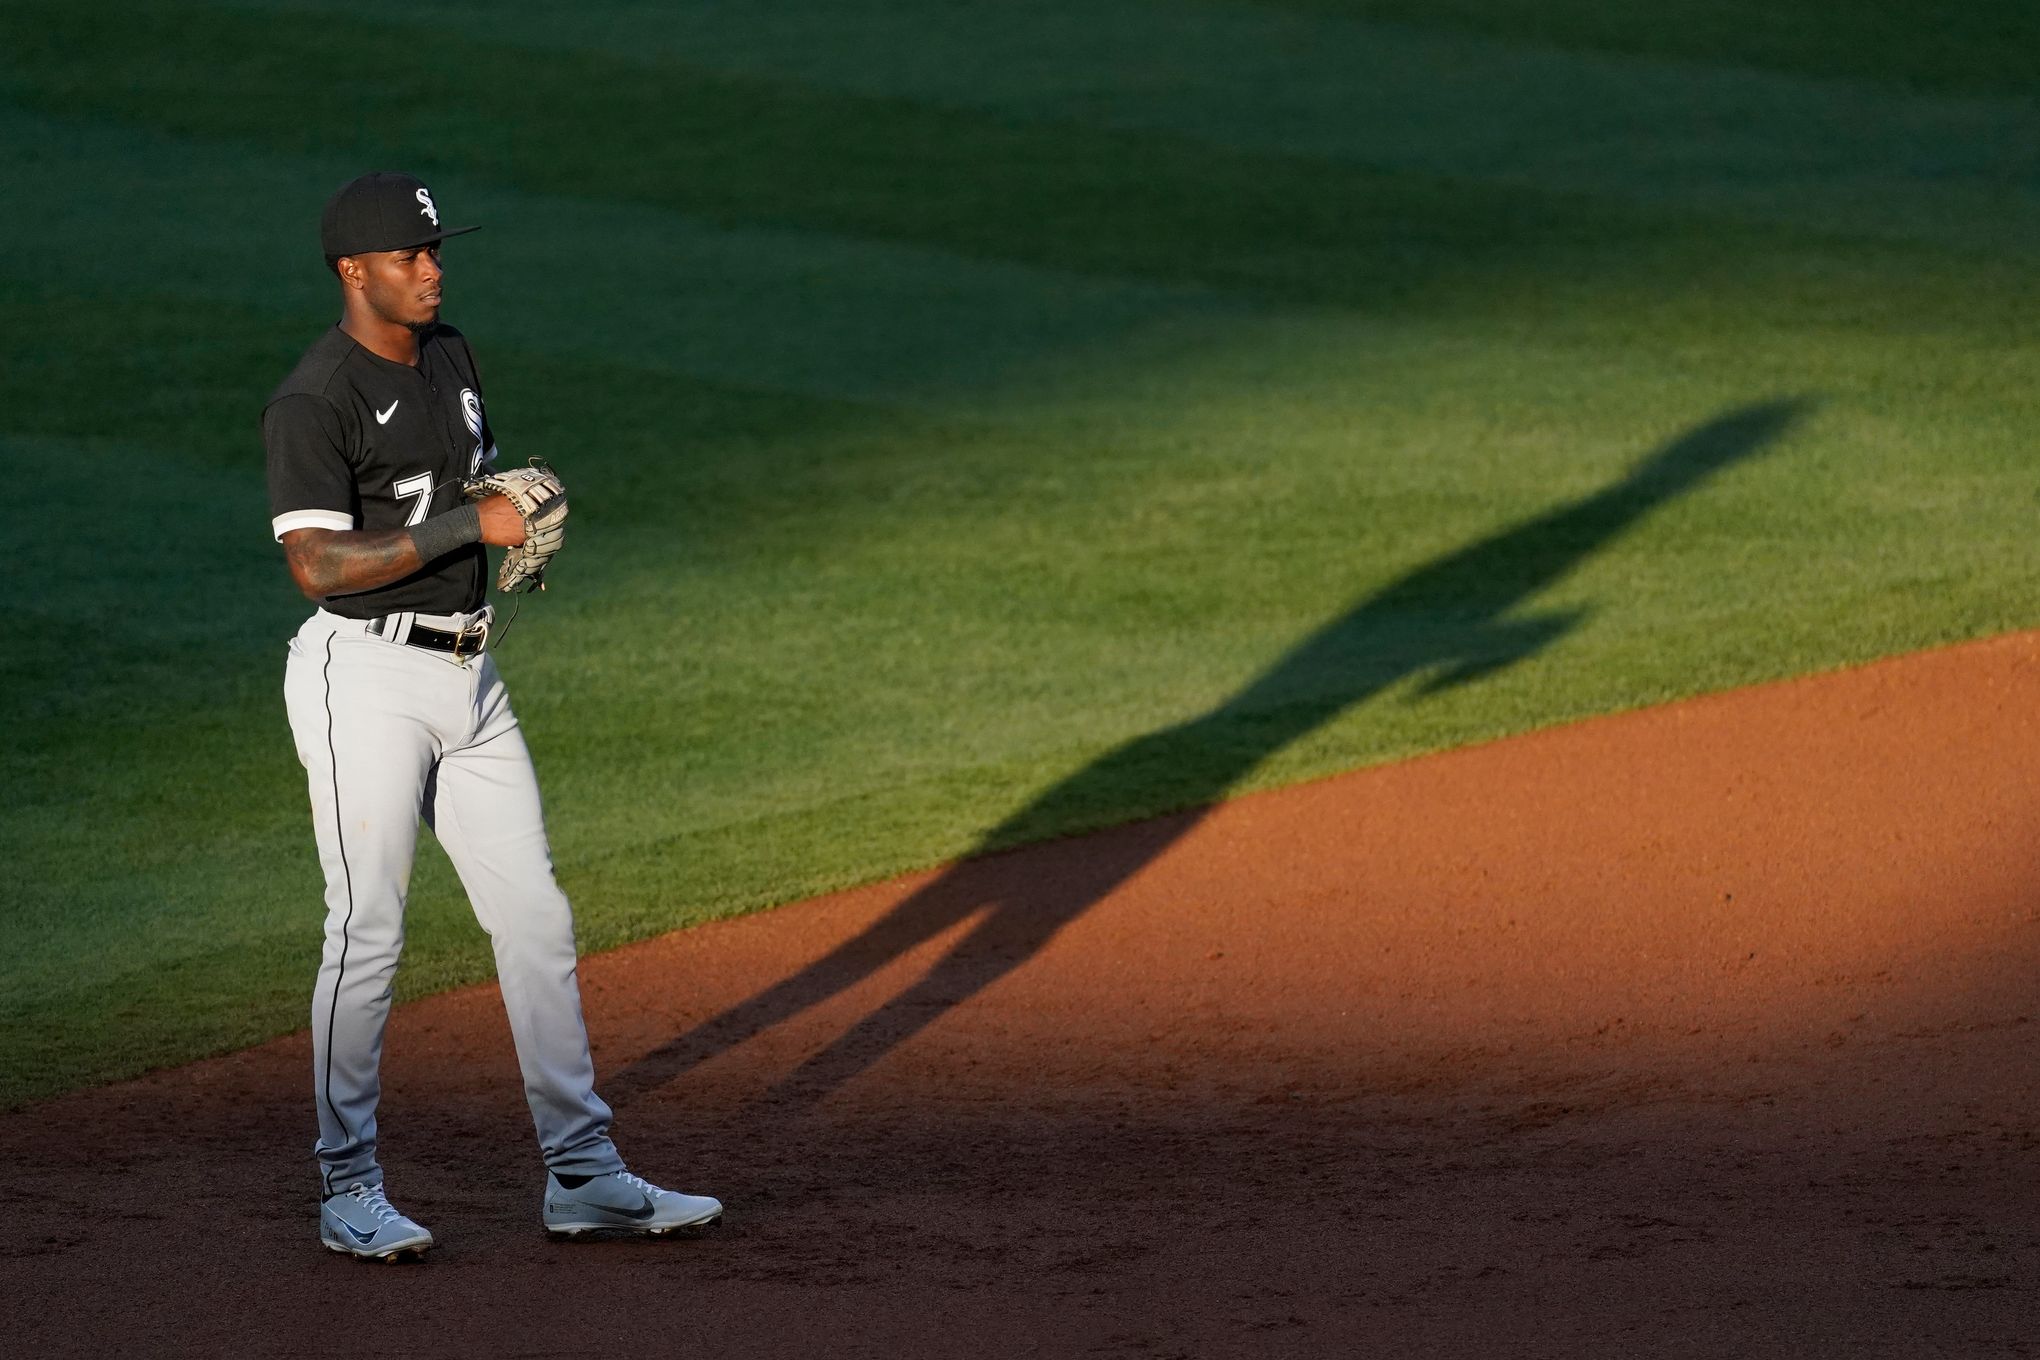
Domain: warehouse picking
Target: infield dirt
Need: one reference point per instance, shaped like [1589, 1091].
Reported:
[1703, 1030]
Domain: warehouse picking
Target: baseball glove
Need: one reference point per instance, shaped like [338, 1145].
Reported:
[539, 497]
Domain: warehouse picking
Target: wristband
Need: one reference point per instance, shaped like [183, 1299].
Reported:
[441, 534]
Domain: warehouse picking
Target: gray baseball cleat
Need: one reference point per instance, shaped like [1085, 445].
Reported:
[362, 1222]
[620, 1200]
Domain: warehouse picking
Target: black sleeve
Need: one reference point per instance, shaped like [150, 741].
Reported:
[311, 484]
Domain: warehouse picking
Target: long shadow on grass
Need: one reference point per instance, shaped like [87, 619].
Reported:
[1446, 616]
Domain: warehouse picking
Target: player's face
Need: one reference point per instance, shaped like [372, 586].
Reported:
[403, 287]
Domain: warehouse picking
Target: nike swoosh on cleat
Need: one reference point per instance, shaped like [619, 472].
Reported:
[643, 1211]
[383, 417]
[358, 1235]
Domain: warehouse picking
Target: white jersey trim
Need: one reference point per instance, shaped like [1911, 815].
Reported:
[310, 519]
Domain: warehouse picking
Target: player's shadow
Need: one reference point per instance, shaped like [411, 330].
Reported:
[1447, 617]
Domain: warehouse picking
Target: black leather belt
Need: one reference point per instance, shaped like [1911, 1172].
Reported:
[438, 639]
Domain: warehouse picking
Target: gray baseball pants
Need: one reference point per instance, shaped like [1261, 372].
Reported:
[390, 733]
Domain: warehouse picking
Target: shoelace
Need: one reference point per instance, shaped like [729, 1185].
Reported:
[376, 1203]
[640, 1182]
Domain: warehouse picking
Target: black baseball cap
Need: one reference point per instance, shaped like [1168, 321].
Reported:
[382, 210]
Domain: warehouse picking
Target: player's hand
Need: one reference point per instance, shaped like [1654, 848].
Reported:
[502, 526]
[536, 495]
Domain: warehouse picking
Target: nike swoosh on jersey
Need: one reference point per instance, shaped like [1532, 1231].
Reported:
[383, 417]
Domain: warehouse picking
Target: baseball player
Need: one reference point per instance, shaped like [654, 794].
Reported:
[398, 712]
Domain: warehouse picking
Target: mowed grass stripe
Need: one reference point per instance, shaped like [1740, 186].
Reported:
[729, 152]
[805, 311]
[1988, 47]
[1834, 155]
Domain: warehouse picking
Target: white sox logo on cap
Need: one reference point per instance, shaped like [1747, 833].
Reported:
[369, 213]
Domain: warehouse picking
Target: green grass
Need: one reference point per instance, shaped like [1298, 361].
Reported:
[1910, 44]
[983, 422]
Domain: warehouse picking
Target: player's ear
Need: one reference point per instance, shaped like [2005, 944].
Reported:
[350, 272]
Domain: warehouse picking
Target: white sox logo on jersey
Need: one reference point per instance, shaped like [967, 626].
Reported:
[425, 197]
[471, 412]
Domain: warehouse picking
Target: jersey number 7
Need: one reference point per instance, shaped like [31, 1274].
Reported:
[421, 487]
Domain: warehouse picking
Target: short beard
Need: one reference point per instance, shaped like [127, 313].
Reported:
[419, 328]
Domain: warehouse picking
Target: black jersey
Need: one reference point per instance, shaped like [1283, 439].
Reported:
[356, 441]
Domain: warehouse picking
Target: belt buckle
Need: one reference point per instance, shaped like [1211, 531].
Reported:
[480, 633]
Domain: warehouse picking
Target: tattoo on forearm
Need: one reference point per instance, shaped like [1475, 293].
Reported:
[329, 562]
